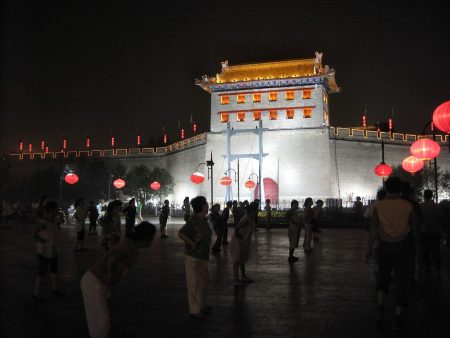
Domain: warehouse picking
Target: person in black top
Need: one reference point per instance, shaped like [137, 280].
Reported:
[93, 216]
[225, 217]
[130, 215]
[216, 220]
[163, 216]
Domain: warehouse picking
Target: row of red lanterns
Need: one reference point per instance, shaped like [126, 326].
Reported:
[226, 180]
[421, 150]
[72, 178]
[198, 178]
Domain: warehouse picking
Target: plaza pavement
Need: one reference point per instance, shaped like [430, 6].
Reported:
[327, 294]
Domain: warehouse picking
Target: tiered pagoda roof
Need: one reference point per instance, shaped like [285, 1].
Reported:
[277, 70]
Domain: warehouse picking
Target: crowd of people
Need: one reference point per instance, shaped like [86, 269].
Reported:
[404, 242]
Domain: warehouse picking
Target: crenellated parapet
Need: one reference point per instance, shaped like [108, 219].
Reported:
[364, 135]
[116, 153]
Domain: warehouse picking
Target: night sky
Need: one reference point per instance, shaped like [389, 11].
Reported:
[71, 68]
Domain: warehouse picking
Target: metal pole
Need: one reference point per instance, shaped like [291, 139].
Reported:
[109, 183]
[435, 171]
[212, 181]
[238, 180]
[228, 192]
[60, 181]
[261, 154]
[210, 165]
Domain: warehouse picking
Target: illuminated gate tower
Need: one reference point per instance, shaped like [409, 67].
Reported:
[289, 100]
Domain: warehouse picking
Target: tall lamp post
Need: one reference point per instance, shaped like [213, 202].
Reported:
[258, 184]
[210, 165]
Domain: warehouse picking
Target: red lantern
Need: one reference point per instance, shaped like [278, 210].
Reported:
[383, 170]
[441, 117]
[119, 183]
[425, 149]
[250, 184]
[155, 186]
[226, 180]
[412, 164]
[71, 178]
[197, 178]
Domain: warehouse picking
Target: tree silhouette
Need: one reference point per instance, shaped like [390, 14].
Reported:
[138, 182]
[424, 179]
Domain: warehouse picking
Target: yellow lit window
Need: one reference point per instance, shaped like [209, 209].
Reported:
[290, 95]
[224, 117]
[241, 98]
[256, 115]
[290, 114]
[273, 115]
[273, 96]
[225, 99]
[240, 117]
[256, 97]
[307, 93]
[307, 113]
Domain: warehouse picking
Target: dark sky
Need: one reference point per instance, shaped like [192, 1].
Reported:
[71, 68]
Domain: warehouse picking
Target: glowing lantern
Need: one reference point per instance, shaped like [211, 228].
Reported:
[139, 140]
[383, 170]
[412, 164]
[197, 178]
[71, 178]
[155, 186]
[194, 128]
[226, 180]
[21, 146]
[250, 184]
[30, 148]
[425, 149]
[364, 121]
[165, 138]
[65, 144]
[441, 117]
[88, 142]
[182, 133]
[42, 145]
[119, 183]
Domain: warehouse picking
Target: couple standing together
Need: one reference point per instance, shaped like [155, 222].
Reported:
[196, 234]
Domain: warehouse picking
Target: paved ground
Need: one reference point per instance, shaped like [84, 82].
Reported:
[328, 294]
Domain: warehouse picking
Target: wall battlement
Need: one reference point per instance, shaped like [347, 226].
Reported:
[362, 135]
[336, 133]
[116, 153]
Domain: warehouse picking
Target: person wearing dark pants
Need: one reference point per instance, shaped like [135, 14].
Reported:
[224, 222]
[130, 215]
[431, 227]
[46, 236]
[93, 216]
[392, 221]
[163, 217]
